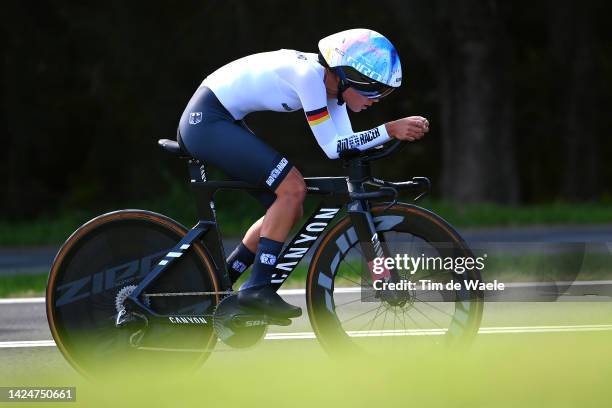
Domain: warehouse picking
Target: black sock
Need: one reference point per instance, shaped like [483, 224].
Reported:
[239, 261]
[265, 262]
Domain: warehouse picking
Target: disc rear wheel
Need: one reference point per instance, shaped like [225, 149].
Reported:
[99, 266]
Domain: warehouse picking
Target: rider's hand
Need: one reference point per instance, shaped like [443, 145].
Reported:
[411, 128]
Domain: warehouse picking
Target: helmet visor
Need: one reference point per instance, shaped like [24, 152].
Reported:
[370, 93]
[365, 86]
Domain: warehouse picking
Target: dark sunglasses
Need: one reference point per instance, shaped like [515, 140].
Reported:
[371, 90]
[374, 94]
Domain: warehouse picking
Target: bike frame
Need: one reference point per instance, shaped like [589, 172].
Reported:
[335, 192]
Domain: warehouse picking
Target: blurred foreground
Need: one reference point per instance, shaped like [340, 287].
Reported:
[554, 369]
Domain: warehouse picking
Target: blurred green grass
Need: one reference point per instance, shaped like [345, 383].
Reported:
[236, 211]
[489, 214]
[23, 285]
[514, 370]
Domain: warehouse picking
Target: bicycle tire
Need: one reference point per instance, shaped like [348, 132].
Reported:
[109, 253]
[326, 268]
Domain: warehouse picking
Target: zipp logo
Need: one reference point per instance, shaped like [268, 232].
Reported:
[107, 279]
[115, 276]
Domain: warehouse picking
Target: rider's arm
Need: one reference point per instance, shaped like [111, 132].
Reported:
[333, 137]
[340, 116]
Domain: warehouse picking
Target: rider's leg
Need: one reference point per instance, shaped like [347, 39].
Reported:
[251, 238]
[239, 261]
[292, 189]
[243, 255]
[278, 220]
[257, 291]
[286, 209]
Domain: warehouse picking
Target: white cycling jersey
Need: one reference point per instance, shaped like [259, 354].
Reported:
[286, 81]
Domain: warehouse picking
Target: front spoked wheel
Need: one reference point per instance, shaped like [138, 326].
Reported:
[345, 311]
[99, 266]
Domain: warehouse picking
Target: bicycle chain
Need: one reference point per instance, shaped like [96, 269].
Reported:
[188, 293]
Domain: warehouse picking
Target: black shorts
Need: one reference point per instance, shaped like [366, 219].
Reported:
[210, 133]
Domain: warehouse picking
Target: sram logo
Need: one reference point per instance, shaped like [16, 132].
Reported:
[253, 323]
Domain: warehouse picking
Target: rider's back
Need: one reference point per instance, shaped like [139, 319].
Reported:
[265, 81]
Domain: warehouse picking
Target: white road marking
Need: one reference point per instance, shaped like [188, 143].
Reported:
[33, 343]
[380, 333]
[439, 332]
[10, 301]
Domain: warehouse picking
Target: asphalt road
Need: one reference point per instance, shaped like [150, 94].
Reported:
[23, 321]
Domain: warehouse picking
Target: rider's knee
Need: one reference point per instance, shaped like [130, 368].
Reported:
[295, 197]
[293, 190]
[300, 191]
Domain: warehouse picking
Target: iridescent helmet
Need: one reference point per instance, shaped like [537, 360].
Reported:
[363, 60]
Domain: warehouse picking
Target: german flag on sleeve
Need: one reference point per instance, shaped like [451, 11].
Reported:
[317, 116]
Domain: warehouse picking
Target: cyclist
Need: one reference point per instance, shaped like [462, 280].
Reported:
[355, 69]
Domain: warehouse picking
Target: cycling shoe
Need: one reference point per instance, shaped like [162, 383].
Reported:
[265, 299]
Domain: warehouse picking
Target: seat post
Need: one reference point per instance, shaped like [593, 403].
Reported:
[205, 206]
[204, 197]
[197, 170]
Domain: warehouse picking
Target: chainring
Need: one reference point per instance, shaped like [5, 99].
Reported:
[226, 324]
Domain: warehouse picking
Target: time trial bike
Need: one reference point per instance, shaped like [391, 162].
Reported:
[137, 283]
